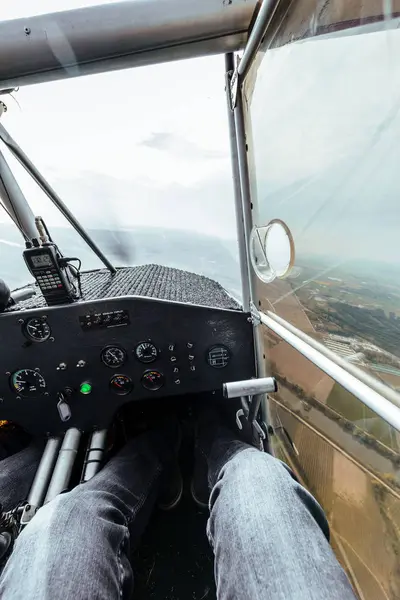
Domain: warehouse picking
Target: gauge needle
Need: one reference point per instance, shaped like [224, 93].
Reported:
[113, 355]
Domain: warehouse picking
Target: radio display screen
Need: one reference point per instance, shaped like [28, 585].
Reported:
[41, 260]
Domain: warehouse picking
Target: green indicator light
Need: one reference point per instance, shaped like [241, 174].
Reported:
[85, 388]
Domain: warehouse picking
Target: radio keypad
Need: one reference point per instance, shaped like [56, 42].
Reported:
[48, 281]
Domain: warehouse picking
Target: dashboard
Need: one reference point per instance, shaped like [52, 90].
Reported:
[75, 365]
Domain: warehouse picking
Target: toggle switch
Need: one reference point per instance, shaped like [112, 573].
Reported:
[64, 409]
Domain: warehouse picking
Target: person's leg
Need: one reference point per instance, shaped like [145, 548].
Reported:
[17, 473]
[77, 546]
[269, 535]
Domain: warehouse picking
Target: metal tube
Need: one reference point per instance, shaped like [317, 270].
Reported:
[376, 402]
[44, 472]
[15, 201]
[249, 387]
[94, 455]
[41, 481]
[370, 381]
[65, 462]
[255, 405]
[240, 226]
[120, 35]
[46, 187]
[254, 42]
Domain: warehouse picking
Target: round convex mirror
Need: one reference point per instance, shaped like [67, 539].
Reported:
[272, 251]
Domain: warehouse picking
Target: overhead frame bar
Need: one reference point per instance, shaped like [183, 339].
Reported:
[376, 402]
[120, 35]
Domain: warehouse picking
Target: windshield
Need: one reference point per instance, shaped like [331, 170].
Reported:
[140, 156]
[325, 116]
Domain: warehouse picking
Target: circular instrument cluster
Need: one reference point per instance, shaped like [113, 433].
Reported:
[36, 329]
[121, 384]
[113, 356]
[28, 383]
[218, 357]
[146, 352]
[152, 380]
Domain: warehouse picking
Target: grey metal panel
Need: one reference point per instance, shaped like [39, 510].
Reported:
[120, 35]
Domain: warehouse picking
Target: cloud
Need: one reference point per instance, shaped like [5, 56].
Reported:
[180, 147]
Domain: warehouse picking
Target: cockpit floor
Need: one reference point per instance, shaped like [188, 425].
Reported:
[174, 560]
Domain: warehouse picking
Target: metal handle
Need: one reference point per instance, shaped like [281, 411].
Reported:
[250, 387]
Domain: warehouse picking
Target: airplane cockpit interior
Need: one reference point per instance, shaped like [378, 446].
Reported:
[301, 360]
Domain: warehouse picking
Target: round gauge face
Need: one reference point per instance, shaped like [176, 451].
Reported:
[113, 357]
[28, 383]
[121, 384]
[152, 380]
[146, 352]
[37, 330]
[218, 357]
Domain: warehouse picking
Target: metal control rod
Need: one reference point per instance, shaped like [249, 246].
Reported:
[254, 42]
[41, 481]
[15, 201]
[250, 387]
[48, 190]
[65, 462]
[94, 455]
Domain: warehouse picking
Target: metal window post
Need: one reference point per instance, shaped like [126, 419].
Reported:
[247, 217]
[240, 219]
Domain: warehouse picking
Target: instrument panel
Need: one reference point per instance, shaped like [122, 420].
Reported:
[75, 365]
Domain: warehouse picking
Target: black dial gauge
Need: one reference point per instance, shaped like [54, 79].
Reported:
[218, 357]
[121, 384]
[152, 380]
[37, 330]
[146, 352]
[113, 357]
[28, 383]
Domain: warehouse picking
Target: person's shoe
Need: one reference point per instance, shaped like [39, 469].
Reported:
[206, 429]
[199, 485]
[172, 485]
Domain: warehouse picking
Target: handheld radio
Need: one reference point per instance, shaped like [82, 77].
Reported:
[55, 277]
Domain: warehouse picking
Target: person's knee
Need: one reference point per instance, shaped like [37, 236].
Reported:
[255, 469]
[66, 512]
[251, 483]
[55, 516]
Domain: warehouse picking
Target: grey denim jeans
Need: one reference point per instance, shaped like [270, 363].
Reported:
[268, 534]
